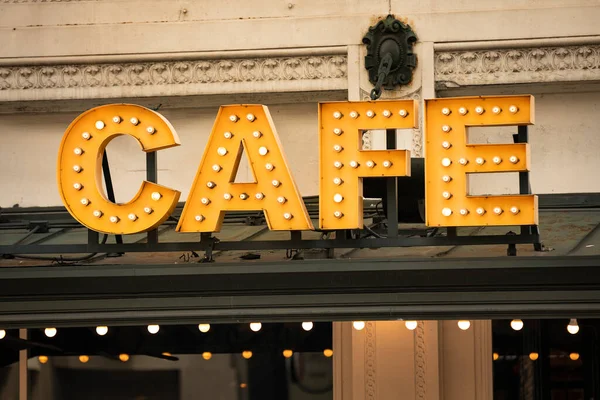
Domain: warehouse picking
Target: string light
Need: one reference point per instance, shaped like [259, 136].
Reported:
[247, 354]
[574, 356]
[495, 356]
[533, 356]
[307, 326]
[124, 357]
[204, 328]
[153, 329]
[411, 325]
[464, 325]
[328, 353]
[207, 355]
[288, 353]
[102, 330]
[50, 332]
[516, 324]
[84, 359]
[43, 359]
[2, 334]
[359, 325]
[573, 327]
[255, 326]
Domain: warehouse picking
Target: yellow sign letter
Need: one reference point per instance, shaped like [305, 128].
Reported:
[449, 158]
[214, 191]
[343, 163]
[79, 169]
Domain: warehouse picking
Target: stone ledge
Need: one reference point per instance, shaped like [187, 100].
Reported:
[174, 75]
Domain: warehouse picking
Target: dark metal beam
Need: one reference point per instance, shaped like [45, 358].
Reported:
[533, 287]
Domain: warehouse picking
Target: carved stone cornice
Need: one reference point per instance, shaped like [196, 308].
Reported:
[539, 64]
[370, 361]
[254, 73]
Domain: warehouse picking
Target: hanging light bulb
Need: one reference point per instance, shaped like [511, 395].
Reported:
[204, 328]
[43, 359]
[574, 356]
[255, 326]
[573, 328]
[102, 330]
[307, 326]
[464, 325]
[516, 324]
[50, 332]
[495, 356]
[153, 329]
[124, 357]
[328, 353]
[207, 355]
[359, 325]
[2, 334]
[84, 359]
[533, 356]
[410, 325]
[288, 353]
[247, 354]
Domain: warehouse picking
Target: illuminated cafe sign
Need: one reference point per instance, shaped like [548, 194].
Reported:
[342, 165]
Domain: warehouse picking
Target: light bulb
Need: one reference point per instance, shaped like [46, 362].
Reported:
[446, 145]
[132, 217]
[78, 151]
[307, 326]
[85, 201]
[77, 186]
[114, 219]
[573, 328]
[117, 119]
[353, 164]
[227, 196]
[353, 114]
[370, 113]
[513, 109]
[410, 325]
[338, 198]
[514, 210]
[446, 212]
[463, 111]
[247, 354]
[446, 162]
[533, 356]
[498, 210]
[479, 110]
[495, 356]
[370, 164]
[386, 164]
[227, 135]
[263, 151]
[233, 118]
[150, 130]
[207, 355]
[338, 131]
[337, 181]
[516, 324]
[244, 196]
[257, 134]
[210, 184]
[205, 201]
[134, 121]
[77, 168]
[222, 151]
[102, 330]
[288, 216]
[480, 211]
[446, 195]
[2, 334]
[86, 136]
[99, 125]
[497, 160]
[496, 110]
[281, 200]
[204, 328]
[387, 113]
[275, 183]
[574, 356]
[513, 159]
[43, 359]
[288, 353]
[328, 353]
[255, 326]
[463, 161]
[156, 196]
[199, 218]
[479, 161]
[124, 357]
[358, 325]
[337, 115]
[338, 214]
[269, 167]
[84, 359]
[153, 329]
[50, 332]
[446, 128]
[97, 213]
[338, 164]
[337, 148]
[446, 111]
[446, 178]
[148, 210]
[464, 325]
[250, 117]
[403, 113]
[259, 196]
[464, 212]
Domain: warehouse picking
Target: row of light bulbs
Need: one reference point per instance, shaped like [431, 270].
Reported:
[572, 327]
[370, 114]
[533, 356]
[446, 211]
[480, 110]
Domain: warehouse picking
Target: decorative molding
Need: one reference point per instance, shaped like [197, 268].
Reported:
[495, 66]
[174, 78]
[370, 362]
[420, 362]
[42, 1]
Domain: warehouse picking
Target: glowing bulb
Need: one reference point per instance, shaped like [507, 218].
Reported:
[496, 110]
[516, 324]
[359, 325]
[288, 353]
[497, 160]
[2, 334]
[479, 110]
[446, 128]
[114, 219]
[155, 196]
[338, 198]
[338, 164]
[150, 130]
[204, 328]
[464, 325]
[498, 210]
[370, 113]
[353, 114]
[514, 210]
[275, 183]
[153, 329]
[116, 119]
[446, 111]
[387, 164]
[338, 214]
[337, 115]
[85, 201]
[124, 357]
[263, 151]
[227, 135]
[328, 353]
[513, 109]
[227, 196]
[463, 161]
[207, 355]
[387, 113]
[463, 111]
[464, 212]
[250, 117]
[370, 164]
[513, 159]
[281, 200]
[247, 354]
[257, 134]
[337, 181]
[403, 113]
[574, 356]
[210, 184]
[84, 359]
[102, 330]
[446, 195]
[255, 326]
[99, 125]
[410, 325]
[446, 178]
[446, 145]
[446, 162]
[480, 211]
[222, 151]
[205, 201]
[77, 168]
[199, 218]
[132, 217]
[287, 216]
[495, 356]
[337, 148]
[353, 164]
[233, 118]
[479, 161]
[86, 135]
[77, 186]
[307, 326]
[338, 131]
[446, 212]
[269, 166]
[259, 196]
[573, 328]
[43, 359]
[533, 356]
[50, 332]
[78, 151]
[134, 121]
[216, 167]
[244, 196]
